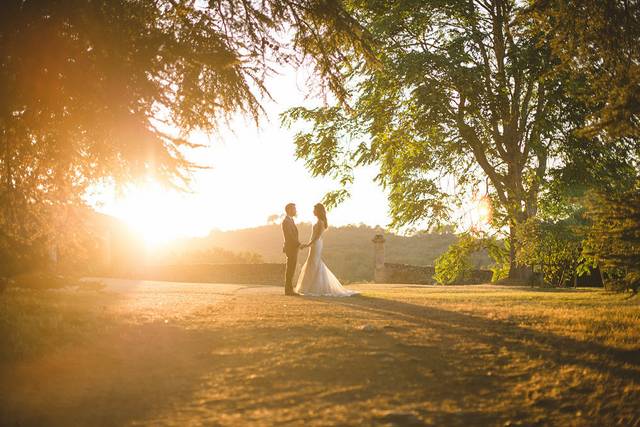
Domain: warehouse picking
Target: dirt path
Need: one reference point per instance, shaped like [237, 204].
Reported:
[200, 354]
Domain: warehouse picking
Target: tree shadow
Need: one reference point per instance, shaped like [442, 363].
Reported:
[122, 373]
[552, 347]
[447, 367]
[471, 338]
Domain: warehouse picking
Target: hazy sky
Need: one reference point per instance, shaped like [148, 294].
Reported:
[253, 175]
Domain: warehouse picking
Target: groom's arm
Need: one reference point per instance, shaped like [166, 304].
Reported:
[285, 235]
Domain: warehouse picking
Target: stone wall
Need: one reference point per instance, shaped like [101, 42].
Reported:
[405, 273]
[423, 275]
[479, 277]
[254, 274]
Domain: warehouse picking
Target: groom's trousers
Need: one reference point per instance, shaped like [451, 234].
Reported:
[292, 261]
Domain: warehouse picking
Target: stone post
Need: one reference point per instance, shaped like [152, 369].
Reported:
[378, 251]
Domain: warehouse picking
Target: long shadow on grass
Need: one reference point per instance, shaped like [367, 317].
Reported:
[469, 339]
[452, 368]
[122, 373]
[306, 373]
[500, 333]
[155, 374]
[435, 362]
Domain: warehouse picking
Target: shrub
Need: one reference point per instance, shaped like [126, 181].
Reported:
[455, 266]
[552, 248]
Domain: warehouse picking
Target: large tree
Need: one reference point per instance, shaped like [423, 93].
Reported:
[613, 241]
[465, 93]
[598, 40]
[95, 90]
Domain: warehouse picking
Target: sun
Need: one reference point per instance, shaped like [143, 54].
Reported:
[480, 212]
[154, 213]
[484, 210]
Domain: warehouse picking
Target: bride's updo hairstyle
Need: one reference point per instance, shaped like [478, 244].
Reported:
[321, 213]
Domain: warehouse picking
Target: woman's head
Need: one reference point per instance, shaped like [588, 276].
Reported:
[321, 213]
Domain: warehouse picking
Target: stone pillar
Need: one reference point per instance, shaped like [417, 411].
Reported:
[378, 251]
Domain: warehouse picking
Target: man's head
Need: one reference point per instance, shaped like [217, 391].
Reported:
[290, 209]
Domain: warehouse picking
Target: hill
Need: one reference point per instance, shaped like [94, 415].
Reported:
[348, 250]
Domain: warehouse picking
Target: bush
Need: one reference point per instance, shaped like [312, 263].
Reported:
[455, 266]
[552, 249]
[499, 253]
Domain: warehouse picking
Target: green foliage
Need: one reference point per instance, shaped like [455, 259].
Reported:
[597, 40]
[587, 164]
[463, 95]
[18, 256]
[553, 249]
[499, 252]
[596, 44]
[613, 241]
[455, 265]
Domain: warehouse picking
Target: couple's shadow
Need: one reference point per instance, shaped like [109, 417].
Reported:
[496, 334]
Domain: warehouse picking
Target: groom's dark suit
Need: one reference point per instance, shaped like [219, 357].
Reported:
[291, 248]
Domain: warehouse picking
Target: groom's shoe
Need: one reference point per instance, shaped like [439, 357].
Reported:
[292, 294]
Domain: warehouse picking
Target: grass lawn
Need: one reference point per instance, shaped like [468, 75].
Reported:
[396, 355]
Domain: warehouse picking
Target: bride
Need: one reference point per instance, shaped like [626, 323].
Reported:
[315, 278]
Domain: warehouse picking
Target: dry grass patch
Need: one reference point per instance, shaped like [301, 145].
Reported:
[182, 354]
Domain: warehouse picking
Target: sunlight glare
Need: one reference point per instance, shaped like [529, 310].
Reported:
[484, 210]
[480, 213]
[155, 213]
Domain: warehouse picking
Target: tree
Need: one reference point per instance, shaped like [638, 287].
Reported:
[464, 94]
[109, 90]
[598, 41]
[554, 249]
[454, 266]
[613, 241]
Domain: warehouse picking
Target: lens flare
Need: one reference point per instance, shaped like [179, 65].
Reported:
[484, 210]
[480, 212]
[156, 214]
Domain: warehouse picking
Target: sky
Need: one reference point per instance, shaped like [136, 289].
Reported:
[252, 174]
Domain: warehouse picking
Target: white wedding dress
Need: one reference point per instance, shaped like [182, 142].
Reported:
[315, 278]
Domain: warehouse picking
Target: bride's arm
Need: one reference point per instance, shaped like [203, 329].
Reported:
[315, 235]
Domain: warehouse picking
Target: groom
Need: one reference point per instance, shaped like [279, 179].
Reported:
[291, 246]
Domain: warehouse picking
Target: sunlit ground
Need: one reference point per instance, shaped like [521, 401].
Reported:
[145, 353]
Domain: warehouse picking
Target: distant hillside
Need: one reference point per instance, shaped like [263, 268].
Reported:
[348, 250]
